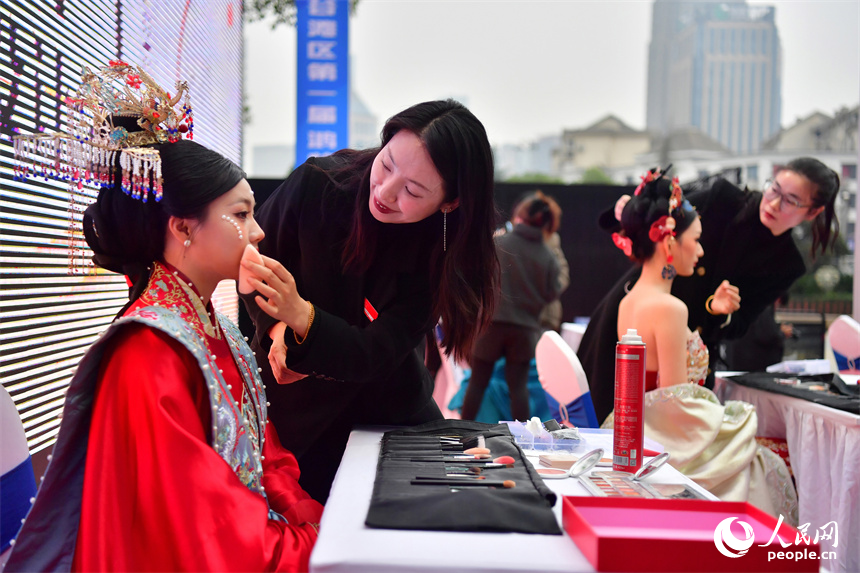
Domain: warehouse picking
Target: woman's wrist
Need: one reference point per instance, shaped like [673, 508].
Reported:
[710, 310]
[277, 330]
[304, 325]
[708, 306]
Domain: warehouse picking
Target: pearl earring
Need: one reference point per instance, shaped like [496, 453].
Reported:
[445, 229]
[187, 242]
[234, 223]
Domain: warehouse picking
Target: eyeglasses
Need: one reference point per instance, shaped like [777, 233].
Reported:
[771, 193]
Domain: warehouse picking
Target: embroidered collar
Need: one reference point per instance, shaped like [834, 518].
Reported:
[169, 288]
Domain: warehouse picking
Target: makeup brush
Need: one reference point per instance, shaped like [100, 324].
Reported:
[417, 457]
[508, 483]
[428, 449]
[477, 451]
[475, 441]
[423, 440]
[464, 469]
[486, 464]
[451, 477]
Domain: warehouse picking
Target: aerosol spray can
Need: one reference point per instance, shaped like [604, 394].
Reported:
[629, 434]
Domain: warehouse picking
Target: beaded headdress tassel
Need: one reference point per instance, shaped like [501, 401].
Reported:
[87, 151]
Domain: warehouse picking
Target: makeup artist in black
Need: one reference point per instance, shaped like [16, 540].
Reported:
[378, 245]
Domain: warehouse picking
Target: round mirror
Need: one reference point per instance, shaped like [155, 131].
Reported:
[651, 466]
[586, 462]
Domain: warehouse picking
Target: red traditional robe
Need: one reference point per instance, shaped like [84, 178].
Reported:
[156, 495]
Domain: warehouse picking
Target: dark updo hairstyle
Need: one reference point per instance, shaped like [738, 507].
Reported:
[127, 234]
[825, 227]
[464, 275]
[647, 207]
[539, 210]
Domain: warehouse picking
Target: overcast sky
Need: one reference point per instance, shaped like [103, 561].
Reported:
[529, 68]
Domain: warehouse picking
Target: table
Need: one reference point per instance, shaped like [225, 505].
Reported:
[346, 545]
[824, 447]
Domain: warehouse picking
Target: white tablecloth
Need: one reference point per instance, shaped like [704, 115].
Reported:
[824, 447]
[346, 545]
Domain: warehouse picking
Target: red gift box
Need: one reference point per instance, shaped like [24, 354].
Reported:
[633, 534]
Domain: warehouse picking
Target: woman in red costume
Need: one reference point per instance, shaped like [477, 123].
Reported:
[165, 459]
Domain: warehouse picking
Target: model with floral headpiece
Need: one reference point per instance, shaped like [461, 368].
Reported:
[661, 231]
[750, 260]
[165, 459]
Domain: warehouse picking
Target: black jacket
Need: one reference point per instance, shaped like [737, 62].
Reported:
[359, 372]
[529, 276]
[738, 248]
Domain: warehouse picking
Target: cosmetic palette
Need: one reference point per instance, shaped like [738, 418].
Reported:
[622, 485]
[615, 484]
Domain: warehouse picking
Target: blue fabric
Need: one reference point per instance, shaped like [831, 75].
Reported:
[580, 412]
[843, 363]
[496, 405]
[17, 487]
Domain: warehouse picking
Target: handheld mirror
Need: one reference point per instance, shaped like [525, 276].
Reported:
[651, 466]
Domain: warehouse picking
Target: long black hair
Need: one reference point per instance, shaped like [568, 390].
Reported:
[128, 234]
[465, 275]
[825, 227]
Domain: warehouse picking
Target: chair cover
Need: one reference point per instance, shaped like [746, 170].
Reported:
[842, 345]
[564, 380]
[17, 482]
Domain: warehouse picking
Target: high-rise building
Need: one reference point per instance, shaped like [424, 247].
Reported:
[716, 67]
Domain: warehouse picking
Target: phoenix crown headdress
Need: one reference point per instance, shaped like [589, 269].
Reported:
[87, 152]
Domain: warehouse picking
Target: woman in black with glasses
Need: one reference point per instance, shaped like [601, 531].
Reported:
[750, 260]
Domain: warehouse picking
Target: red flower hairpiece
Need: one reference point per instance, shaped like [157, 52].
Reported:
[623, 243]
[662, 227]
[676, 197]
[647, 178]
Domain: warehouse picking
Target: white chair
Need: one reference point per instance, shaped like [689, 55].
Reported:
[448, 380]
[563, 379]
[842, 345]
[19, 483]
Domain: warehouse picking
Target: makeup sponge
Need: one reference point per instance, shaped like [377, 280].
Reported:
[251, 254]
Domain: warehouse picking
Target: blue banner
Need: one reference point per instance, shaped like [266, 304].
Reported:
[322, 83]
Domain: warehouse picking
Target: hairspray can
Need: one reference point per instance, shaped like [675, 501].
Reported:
[629, 434]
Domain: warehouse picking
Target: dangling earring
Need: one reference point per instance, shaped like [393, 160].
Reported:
[187, 243]
[445, 229]
[669, 271]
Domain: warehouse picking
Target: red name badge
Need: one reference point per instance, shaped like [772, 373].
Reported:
[369, 311]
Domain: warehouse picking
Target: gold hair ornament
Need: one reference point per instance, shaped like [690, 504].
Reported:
[86, 150]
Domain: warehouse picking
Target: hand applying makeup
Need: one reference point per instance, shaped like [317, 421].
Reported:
[282, 301]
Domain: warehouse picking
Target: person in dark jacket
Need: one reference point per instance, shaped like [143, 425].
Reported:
[378, 245]
[530, 281]
[750, 259]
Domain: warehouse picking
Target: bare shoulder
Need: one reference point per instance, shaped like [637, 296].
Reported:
[668, 308]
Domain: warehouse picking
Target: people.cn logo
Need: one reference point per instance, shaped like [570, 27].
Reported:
[727, 543]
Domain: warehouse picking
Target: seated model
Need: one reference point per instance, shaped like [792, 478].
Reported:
[712, 443]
